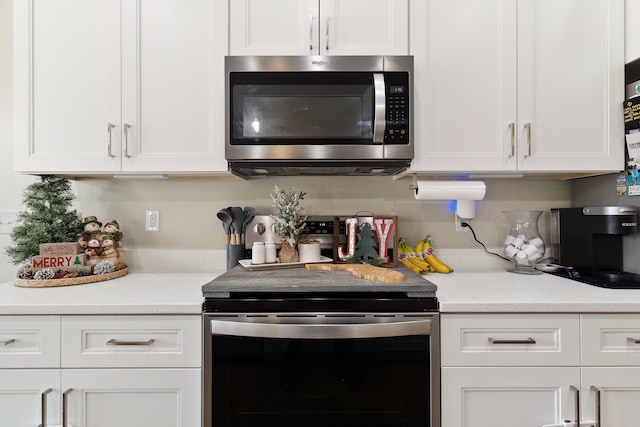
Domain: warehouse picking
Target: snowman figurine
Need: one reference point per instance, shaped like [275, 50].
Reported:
[112, 232]
[91, 230]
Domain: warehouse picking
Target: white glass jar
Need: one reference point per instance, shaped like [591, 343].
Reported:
[258, 253]
[523, 244]
[270, 252]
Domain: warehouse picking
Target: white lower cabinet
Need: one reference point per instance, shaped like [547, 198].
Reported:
[509, 369]
[132, 397]
[611, 368]
[99, 371]
[536, 370]
[506, 397]
[25, 394]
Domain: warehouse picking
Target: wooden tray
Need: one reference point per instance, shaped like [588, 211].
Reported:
[50, 283]
[362, 271]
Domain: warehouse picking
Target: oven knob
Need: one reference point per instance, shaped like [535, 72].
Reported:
[259, 228]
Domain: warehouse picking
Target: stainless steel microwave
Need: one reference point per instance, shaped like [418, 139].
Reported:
[313, 115]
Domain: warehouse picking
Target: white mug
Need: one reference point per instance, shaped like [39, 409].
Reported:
[309, 251]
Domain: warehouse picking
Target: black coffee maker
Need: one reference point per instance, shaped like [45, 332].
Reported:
[589, 241]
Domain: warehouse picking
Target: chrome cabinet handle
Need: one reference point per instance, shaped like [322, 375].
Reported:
[527, 341]
[527, 127]
[327, 36]
[110, 127]
[633, 340]
[7, 342]
[598, 402]
[577, 392]
[512, 127]
[126, 139]
[311, 33]
[43, 407]
[64, 406]
[114, 341]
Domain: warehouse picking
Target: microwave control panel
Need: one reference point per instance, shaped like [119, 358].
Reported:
[397, 129]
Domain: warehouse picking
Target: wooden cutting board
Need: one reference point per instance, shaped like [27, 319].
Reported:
[362, 271]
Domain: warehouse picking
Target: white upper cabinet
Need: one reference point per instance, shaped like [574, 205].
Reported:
[518, 85]
[632, 30]
[319, 27]
[108, 86]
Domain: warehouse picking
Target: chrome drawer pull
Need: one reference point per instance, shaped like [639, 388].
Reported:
[43, 407]
[527, 341]
[114, 341]
[598, 403]
[65, 405]
[576, 390]
[633, 340]
[7, 342]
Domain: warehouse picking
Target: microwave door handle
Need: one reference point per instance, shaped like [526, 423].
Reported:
[320, 331]
[380, 108]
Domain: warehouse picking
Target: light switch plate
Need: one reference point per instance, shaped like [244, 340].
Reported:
[8, 220]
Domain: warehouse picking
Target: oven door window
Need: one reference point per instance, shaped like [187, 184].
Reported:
[285, 108]
[370, 382]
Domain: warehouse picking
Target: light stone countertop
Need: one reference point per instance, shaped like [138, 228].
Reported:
[496, 290]
[135, 293]
[472, 291]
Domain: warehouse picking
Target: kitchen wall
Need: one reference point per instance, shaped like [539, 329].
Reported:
[191, 237]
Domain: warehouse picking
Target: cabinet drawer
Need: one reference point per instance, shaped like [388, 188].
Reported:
[29, 341]
[611, 339]
[131, 341]
[510, 340]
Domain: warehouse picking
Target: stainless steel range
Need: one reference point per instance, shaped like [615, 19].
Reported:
[294, 347]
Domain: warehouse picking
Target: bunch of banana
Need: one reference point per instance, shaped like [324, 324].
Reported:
[410, 259]
[424, 249]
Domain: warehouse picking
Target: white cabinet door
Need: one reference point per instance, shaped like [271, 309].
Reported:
[465, 85]
[364, 27]
[533, 86]
[22, 393]
[66, 85]
[276, 27]
[133, 397]
[570, 85]
[173, 85]
[619, 394]
[504, 397]
[102, 87]
[319, 27]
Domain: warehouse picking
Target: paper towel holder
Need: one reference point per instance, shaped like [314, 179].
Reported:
[465, 193]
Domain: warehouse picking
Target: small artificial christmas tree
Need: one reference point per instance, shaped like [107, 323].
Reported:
[289, 221]
[48, 218]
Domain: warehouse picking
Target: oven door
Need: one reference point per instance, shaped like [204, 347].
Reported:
[322, 370]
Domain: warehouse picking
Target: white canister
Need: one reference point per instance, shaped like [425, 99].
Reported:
[258, 253]
[270, 252]
[309, 251]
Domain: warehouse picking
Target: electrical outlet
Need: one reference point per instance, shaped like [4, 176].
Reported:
[153, 220]
[8, 220]
[459, 222]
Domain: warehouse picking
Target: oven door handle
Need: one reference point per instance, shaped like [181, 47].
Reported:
[380, 108]
[321, 331]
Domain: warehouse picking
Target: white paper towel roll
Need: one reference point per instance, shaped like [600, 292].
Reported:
[450, 190]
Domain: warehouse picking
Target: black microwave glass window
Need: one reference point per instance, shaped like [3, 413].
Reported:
[282, 108]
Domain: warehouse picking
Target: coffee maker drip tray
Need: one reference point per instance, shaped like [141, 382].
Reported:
[603, 279]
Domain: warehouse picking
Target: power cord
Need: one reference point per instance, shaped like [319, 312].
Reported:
[467, 225]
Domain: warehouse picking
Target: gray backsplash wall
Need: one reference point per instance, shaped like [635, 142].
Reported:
[188, 206]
